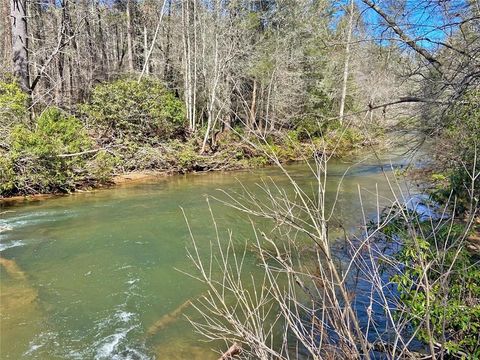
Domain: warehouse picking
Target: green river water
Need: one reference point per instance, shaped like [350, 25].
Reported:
[85, 276]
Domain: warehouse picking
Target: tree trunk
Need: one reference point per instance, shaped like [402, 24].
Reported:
[129, 38]
[167, 71]
[189, 54]
[194, 90]
[104, 62]
[271, 112]
[20, 43]
[253, 106]
[269, 121]
[211, 105]
[347, 62]
[148, 52]
[75, 85]
[7, 35]
[146, 60]
[186, 63]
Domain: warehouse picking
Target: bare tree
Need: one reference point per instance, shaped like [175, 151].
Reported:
[20, 43]
[6, 35]
[311, 301]
[347, 59]
[129, 36]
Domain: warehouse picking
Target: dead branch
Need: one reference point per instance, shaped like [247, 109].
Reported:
[232, 351]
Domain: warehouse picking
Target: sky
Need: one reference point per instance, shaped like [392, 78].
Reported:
[426, 21]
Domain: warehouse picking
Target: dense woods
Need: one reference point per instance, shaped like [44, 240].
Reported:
[266, 63]
[314, 68]
[90, 89]
[251, 62]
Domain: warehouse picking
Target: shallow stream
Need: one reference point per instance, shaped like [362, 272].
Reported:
[86, 276]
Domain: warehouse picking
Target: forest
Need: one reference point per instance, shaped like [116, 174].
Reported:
[170, 86]
[96, 91]
[156, 86]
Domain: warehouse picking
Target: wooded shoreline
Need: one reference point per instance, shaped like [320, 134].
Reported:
[135, 177]
[94, 93]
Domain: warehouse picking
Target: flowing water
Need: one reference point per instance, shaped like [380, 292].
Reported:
[94, 275]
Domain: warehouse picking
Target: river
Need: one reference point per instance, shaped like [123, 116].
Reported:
[86, 276]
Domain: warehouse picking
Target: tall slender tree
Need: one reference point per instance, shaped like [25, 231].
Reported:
[20, 43]
[347, 59]
[6, 35]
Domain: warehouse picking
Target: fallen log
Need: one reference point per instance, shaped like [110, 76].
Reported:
[167, 319]
[19, 297]
[12, 269]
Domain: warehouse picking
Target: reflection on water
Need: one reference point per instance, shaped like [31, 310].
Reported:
[92, 275]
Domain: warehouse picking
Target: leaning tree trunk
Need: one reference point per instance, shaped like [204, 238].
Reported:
[20, 43]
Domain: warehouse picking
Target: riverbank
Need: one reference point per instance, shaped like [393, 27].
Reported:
[129, 126]
[133, 226]
[232, 152]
